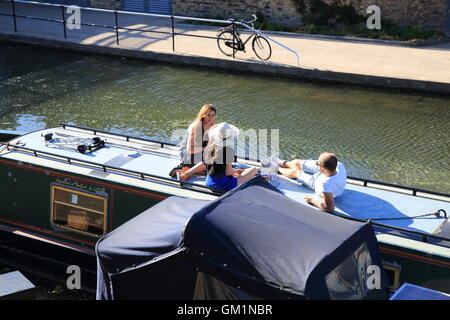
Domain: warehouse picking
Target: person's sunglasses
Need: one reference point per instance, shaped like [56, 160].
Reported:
[319, 163]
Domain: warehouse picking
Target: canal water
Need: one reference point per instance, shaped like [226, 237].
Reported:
[45, 289]
[396, 137]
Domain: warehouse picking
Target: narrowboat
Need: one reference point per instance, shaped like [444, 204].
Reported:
[251, 243]
[67, 187]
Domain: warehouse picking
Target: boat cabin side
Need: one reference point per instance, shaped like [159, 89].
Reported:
[65, 194]
[46, 194]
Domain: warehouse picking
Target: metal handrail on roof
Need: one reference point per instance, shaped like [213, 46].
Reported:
[127, 137]
[413, 191]
[365, 182]
[113, 169]
[213, 191]
[425, 236]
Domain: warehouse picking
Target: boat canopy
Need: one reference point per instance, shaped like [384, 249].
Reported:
[252, 242]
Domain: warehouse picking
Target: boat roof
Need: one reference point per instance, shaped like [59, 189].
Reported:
[116, 161]
[157, 159]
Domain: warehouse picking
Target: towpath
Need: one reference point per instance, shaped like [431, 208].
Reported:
[329, 59]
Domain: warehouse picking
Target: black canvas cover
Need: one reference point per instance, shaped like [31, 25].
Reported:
[253, 238]
[155, 233]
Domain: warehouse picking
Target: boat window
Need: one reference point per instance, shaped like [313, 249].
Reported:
[348, 280]
[393, 273]
[210, 288]
[78, 211]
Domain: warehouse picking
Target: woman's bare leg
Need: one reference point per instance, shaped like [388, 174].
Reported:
[246, 175]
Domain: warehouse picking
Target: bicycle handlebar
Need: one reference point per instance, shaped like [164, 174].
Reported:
[254, 19]
[243, 21]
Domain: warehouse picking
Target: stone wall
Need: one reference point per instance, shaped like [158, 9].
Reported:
[429, 13]
[106, 4]
[282, 11]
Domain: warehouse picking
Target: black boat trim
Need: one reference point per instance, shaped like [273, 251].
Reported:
[218, 192]
[127, 137]
[24, 232]
[425, 236]
[413, 191]
[365, 182]
[112, 169]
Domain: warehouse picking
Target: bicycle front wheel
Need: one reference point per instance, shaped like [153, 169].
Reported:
[225, 42]
[261, 47]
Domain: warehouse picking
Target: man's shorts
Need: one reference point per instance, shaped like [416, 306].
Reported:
[308, 174]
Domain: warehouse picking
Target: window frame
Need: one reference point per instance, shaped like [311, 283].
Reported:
[54, 202]
[396, 269]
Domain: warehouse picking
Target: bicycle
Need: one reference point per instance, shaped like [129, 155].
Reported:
[229, 41]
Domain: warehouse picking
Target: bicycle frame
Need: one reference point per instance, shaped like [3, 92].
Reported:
[238, 37]
[249, 37]
[232, 39]
[249, 25]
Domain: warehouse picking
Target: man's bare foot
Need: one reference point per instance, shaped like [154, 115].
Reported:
[279, 162]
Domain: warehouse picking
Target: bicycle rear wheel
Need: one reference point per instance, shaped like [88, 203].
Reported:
[225, 42]
[261, 47]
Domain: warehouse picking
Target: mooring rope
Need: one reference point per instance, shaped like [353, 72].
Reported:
[436, 214]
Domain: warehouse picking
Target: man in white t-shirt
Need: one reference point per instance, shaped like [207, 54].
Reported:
[326, 176]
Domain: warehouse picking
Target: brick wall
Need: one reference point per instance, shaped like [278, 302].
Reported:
[429, 13]
[106, 4]
[282, 11]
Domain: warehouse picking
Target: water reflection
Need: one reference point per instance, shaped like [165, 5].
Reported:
[29, 122]
[387, 136]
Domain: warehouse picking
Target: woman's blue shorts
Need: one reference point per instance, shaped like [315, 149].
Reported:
[221, 182]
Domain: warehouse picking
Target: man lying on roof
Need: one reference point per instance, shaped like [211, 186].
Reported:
[326, 176]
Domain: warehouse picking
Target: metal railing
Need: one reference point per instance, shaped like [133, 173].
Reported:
[127, 137]
[112, 169]
[424, 237]
[418, 192]
[117, 26]
[355, 180]
[381, 227]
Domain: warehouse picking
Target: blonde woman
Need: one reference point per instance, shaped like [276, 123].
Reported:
[194, 142]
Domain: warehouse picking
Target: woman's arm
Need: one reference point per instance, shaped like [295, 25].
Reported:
[194, 141]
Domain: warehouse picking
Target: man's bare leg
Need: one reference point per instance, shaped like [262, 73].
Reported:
[291, 169]
[289, 172]
[293, 164]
